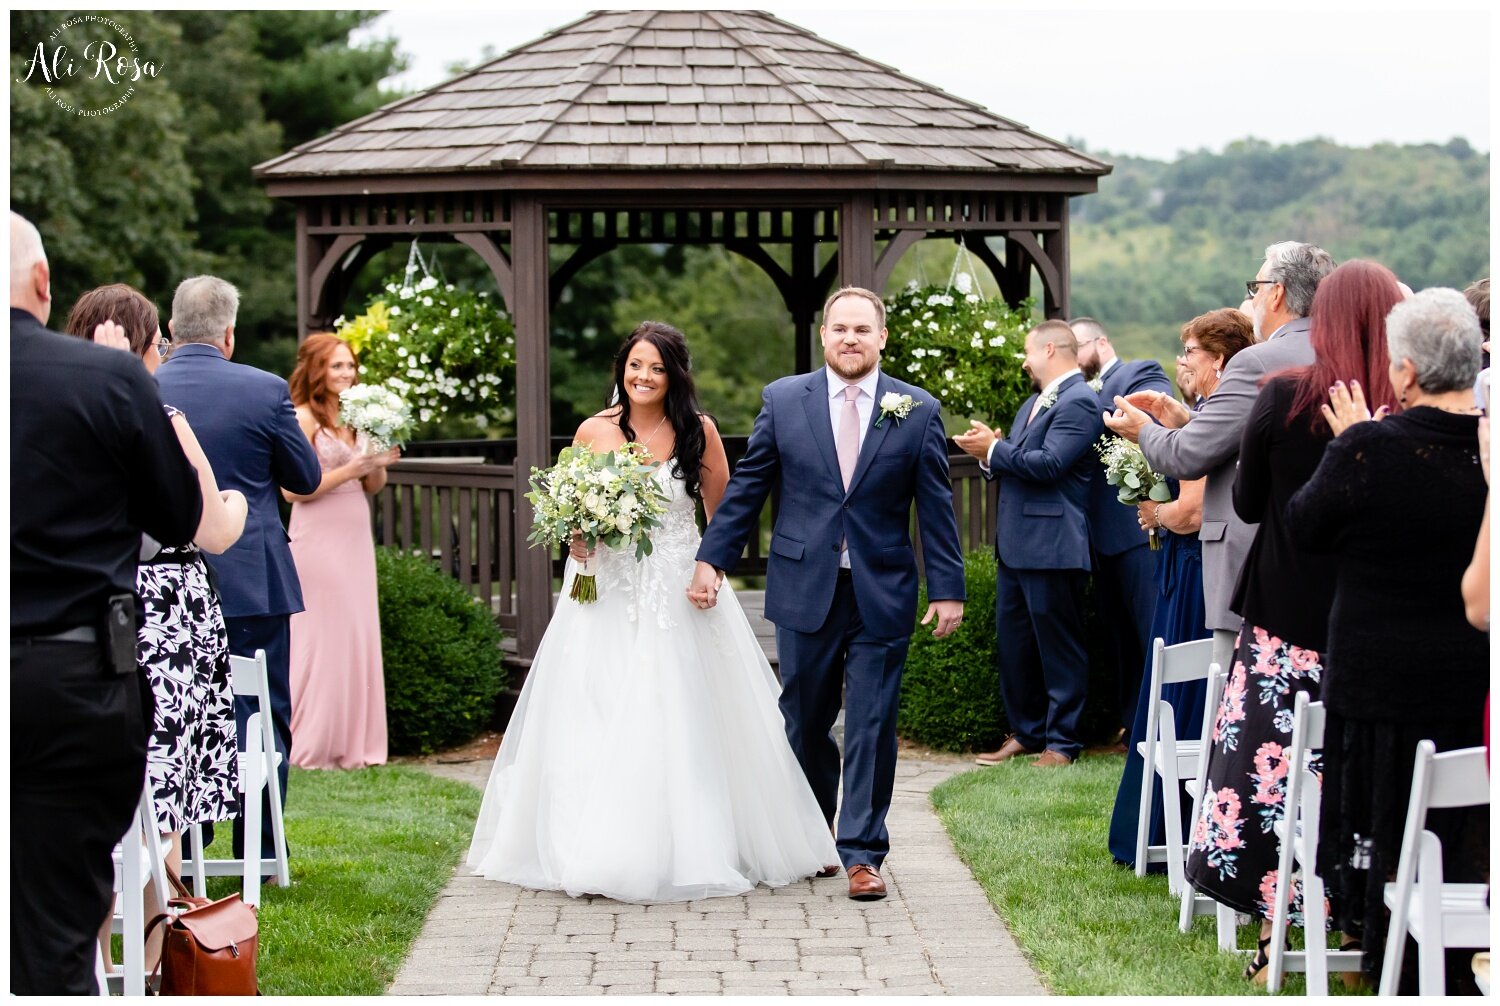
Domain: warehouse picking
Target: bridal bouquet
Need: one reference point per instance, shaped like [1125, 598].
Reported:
[383, 416]
[1125, 466]
[609, 497]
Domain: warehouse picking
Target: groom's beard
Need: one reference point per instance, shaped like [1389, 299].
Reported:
[1036, 385]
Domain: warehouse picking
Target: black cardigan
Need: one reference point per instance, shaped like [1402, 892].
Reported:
[1398, 503]
[1283, 588]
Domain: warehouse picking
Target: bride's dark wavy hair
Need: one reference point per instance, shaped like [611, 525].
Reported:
[682, 400]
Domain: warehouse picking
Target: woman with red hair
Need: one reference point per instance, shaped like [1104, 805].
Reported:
[338, 684]
[1284, 594]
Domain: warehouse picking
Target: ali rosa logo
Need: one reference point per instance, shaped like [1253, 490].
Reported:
[89, 65]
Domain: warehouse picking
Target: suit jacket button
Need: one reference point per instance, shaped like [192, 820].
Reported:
[846, 506]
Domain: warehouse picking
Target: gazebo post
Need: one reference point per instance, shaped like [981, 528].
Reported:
[533, 411]
[804, 283]
[857, 240]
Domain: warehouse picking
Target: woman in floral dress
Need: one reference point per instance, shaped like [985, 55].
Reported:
[1284, 594]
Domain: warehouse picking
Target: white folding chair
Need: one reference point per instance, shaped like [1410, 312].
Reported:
[1298, 832]
[1163, 755]
[138, 860]
[258, 763]
[1436, 914]
[1195, 904]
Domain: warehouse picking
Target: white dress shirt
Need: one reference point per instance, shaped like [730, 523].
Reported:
[864, 404]
[1108, 366]
[1051, 387]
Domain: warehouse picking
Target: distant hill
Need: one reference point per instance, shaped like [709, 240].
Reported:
[1162, 242]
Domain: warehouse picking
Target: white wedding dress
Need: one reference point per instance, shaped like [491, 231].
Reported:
[646, 759]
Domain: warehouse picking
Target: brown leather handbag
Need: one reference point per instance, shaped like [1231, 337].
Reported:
[208, 947]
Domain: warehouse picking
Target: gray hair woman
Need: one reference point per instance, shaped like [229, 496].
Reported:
[1403, 663]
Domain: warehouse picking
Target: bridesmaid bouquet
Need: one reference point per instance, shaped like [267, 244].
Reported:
[383, 416]
[609, 497]
[1125, 466]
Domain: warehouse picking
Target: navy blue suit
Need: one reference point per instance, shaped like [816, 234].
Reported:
[1124, 565]
[245, 422]
[1042, 542]
[834, 628]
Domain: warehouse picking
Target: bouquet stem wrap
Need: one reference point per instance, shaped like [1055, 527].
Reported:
[585, 586]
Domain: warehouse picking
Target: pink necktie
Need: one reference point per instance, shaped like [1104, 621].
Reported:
[849, 435]
[1034, 410]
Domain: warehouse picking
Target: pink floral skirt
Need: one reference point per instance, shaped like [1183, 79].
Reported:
[1233, 853]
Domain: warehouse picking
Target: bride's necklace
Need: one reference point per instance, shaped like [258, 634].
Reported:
[647, 442]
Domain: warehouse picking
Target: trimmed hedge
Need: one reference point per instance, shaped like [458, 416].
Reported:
[443, 666]
[950, 691]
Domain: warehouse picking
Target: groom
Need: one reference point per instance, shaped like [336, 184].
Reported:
[851, 449]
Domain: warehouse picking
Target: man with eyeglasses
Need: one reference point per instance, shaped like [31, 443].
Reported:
[1191, 445]
[1124, 568]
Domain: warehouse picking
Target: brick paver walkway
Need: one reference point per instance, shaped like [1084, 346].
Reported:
[934, 935]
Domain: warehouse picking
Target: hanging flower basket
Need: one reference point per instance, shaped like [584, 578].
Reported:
[962, 347]
[449, 352]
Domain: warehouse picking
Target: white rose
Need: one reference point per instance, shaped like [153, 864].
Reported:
[889, 401]
[624, 523]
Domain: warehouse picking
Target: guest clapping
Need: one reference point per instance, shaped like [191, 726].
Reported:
[1283, 593]
[338, 684]
[1402, 664]
[1209, 342]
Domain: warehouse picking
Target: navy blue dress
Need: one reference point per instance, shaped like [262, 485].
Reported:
[1180, 617]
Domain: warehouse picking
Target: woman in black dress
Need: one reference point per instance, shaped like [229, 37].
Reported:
[1283, 593]
[1397, 504]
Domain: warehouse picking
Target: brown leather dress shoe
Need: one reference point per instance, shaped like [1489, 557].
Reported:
[826, 872]
[1010, 749]
[1052, 759]
[865, 884]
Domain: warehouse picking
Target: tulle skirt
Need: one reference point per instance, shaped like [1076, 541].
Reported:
[646, 759]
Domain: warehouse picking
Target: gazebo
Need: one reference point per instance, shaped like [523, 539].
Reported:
[690, 127]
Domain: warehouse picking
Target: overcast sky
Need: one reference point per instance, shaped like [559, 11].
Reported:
[1148, 83]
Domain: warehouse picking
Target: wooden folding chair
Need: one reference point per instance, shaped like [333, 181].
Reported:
[138, 859]
[1195, 904]
[1163, 755]
[258, 763]
[1436, 914]
[1298, 832]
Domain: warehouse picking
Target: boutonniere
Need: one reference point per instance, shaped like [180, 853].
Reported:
[1048, 400]
[1097, 384]
[892, 404]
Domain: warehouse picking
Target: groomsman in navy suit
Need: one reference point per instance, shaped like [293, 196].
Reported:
[1042, 543]
[1124, 567]
[244, 419]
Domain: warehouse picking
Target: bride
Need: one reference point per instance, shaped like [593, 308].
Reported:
[646, 759]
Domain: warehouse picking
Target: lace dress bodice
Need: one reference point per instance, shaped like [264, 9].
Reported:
[659, 579]
[333, 452]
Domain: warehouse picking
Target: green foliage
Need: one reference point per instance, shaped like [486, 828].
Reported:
[1161, 243]
[447, 351]
[161, 189]
[372, 850]
[961, 347]
[950, 690]
[443, 666]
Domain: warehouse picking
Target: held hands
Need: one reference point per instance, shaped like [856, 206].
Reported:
[578, 550]
[1349, 407]
[949, 615]
[703, 592]
[976, 442]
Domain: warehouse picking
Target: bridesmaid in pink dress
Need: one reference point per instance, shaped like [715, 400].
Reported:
[338, 684]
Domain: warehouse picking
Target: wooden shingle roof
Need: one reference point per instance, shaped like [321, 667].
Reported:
[670, 90]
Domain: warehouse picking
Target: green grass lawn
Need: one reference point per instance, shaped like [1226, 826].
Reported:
[1036, 841]
[370, 850]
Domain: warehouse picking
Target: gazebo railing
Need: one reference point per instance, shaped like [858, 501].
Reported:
[446, 500]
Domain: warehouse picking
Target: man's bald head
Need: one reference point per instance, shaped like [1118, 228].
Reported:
[30, 279]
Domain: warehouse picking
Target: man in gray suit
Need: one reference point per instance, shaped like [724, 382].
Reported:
[1281, 295]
